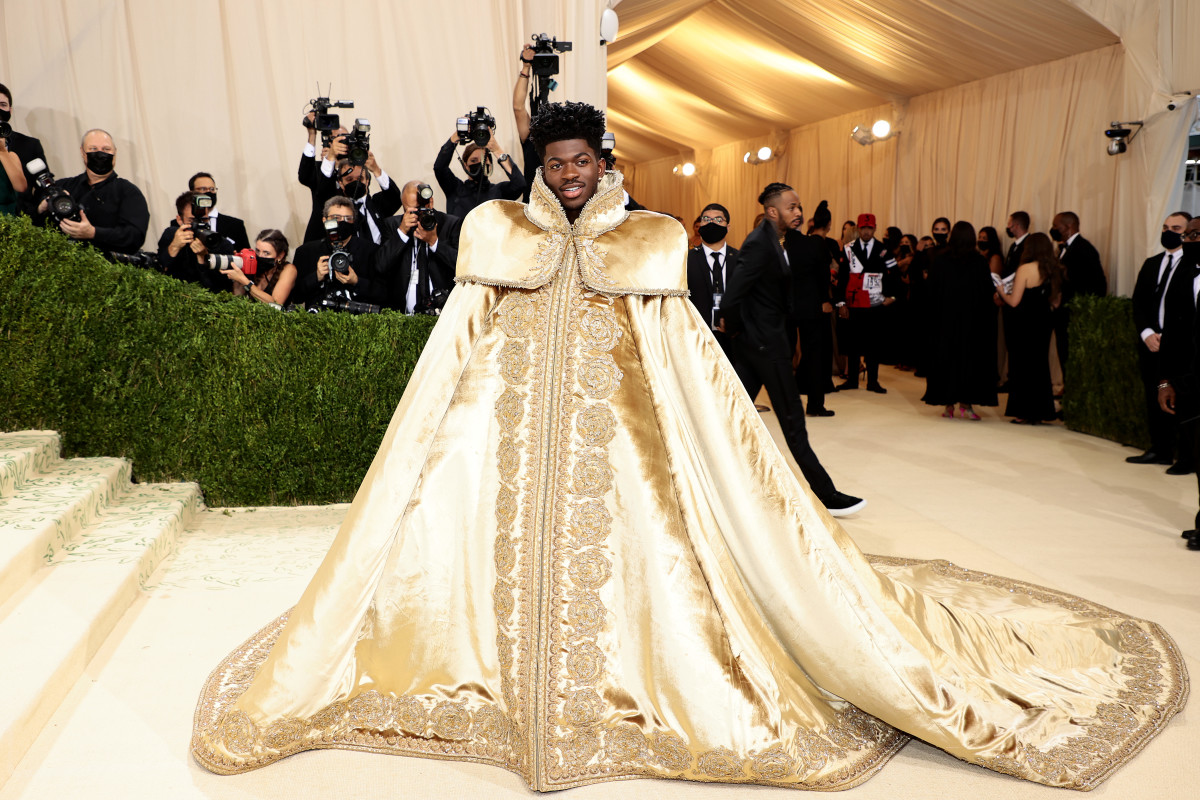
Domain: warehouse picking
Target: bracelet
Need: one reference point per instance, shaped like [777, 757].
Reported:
[524, 75]
[1164, 385]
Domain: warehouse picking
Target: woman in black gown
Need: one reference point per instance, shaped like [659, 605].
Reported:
[1036, 291]
[962, 367]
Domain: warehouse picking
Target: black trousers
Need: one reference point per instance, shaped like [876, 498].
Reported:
[1187, 415]
[1062, 318]
[863, 341]
[1163, 427]
[757, 371]
[816, 352]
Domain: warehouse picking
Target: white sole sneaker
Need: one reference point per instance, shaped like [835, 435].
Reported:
[848, 510]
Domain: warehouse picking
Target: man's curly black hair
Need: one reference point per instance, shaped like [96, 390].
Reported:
[559, 121]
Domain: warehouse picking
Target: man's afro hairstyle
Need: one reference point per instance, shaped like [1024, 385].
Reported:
[559, 121]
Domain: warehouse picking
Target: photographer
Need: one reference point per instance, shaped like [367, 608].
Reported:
[464, 195]
[334, 175]
[419, 254]
[530, 155]
[16, 150]
[184, 248]
[276, 276]
[225, 225]
[316, 281]
[113, 215]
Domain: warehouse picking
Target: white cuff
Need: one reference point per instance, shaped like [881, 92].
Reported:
[327, 168]
[433, 247]
[384, 180]
[310, 151]
[402, 235]
[1147, 333]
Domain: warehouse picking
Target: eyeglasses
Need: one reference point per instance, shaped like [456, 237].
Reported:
[717, 219]
[340, 218]
[1191, 236]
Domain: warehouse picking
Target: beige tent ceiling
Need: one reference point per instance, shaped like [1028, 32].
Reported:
[693, 74]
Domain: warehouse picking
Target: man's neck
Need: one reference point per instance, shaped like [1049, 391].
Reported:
[716, 248]
[93, 178]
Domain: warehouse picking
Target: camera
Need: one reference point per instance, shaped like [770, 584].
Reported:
[59, 203]
[201, 205]
[358, 143]
[322, 120]
[342, 304]
[426, 216]
[143, 258]
[608, 143]
[340, 259]
[476, 127]
[1119, 136]
[245, 260]
[5, 130]
[545, 55]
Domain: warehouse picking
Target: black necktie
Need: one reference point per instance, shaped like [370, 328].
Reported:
[422, 276]
[718, 283]
[1162, 279]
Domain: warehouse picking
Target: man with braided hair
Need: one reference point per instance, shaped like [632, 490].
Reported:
[580, 556]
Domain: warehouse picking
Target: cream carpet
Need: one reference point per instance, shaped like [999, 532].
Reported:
[1040, 504]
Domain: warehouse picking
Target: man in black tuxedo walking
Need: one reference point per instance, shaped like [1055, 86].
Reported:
[1149, 313]
[758, 306]
[1084, 273]
[710, 265]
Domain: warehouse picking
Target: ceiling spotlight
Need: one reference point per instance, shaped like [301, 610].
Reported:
[688, 169]
[764, 153]
[746, 158]
[1119, 136]
[675, 170]
[862, 136]
[882, 129]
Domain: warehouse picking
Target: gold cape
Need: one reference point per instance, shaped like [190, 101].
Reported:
[578, 555]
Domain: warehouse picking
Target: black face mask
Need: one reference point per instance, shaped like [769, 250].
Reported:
[1010, 233]
[1055, 234]
[1192, 251]
[5, 114]
[475, 170]
[713, 232]
[345, 230]
[1170, 240]
[354, 189]
[941, 238]
[99, 162]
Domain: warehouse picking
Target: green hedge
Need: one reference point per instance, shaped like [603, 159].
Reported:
[260, 407]
[1104, 395]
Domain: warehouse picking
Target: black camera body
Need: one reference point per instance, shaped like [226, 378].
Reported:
[426, 216]
[346, 306]
[59, 203]
[201, 205]
[340, 259]
[5, 130]
[358, 143]
[323, 121]
[476, 126]
[545, 55]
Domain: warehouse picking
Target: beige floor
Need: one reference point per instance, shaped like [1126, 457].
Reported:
[1041, 504]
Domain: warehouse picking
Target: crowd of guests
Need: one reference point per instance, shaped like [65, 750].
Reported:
[972, 318]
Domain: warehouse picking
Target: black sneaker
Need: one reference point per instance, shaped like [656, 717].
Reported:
[876, 388]
[820, 412]
[843, 505]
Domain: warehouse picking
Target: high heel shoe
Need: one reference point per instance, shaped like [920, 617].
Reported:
[968, 414]
[949, 413]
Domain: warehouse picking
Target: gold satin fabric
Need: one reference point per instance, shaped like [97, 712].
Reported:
[579, 555]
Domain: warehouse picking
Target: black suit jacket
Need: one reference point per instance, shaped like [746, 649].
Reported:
[880, 260]
[27, 149]
[809, 260]
[185, 267]
[699, 278]
[381, 204]
[116, 207]
[1177, 354]
[758, 299]
[1013, 259]
[310, 291]
[393, 261]
[1085, 275]
[1145, 296]
[232, 228]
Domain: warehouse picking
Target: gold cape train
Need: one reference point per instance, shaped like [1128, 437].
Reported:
[579, 555]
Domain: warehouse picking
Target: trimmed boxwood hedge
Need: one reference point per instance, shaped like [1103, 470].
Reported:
[258, 406]
[1104, 395]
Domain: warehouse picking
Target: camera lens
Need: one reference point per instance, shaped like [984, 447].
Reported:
[5, 130]
[340, 262]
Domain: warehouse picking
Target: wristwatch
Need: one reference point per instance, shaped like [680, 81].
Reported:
[502, 158]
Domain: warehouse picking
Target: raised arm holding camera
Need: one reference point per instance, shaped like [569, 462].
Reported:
[109, 212]
[419, 254]
[338, 267]
[477, 131]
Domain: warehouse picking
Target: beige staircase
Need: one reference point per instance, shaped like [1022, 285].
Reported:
[78, 542]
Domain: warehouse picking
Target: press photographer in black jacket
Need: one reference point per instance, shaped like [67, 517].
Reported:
[464, 195]
[16, 150]
[226, 225]
[315, 281]
[113, 214]
[416, 262]
[184, 255]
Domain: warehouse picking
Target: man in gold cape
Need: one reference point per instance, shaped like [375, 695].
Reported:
[579, 556]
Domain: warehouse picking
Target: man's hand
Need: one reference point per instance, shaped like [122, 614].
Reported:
[338, 148]
[887, 301]
[78, 230]
[373, 165]
[322, 268]
[826, 308]
[408, 221]
[1153, 341]
[720, 325]
[428, 237]
[1166, 399]
[493, 145]
[527, 54]
[198, 247]
[309, 119]
[349, 277]
[182, 238]
[844, 312]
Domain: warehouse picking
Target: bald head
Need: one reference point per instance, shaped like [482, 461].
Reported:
[97, 139]
[408, 195]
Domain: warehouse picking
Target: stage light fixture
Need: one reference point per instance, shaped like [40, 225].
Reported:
[608, 26]
[746, 158]
[688, 169]
[882, 129]
[1119, 136]
[862, 136]
[764, 153]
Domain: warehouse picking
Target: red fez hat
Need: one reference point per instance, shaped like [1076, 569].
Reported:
[866, 220]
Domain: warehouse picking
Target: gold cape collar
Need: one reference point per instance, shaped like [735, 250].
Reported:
[604, 211]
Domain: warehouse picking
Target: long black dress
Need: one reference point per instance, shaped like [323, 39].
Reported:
[962, 363]
[1030, 394]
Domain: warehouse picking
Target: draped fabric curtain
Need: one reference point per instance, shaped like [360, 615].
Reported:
[221, 86]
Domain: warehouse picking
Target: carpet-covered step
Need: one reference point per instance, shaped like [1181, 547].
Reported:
[24, 454]
[50, 509]
[64, 613]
